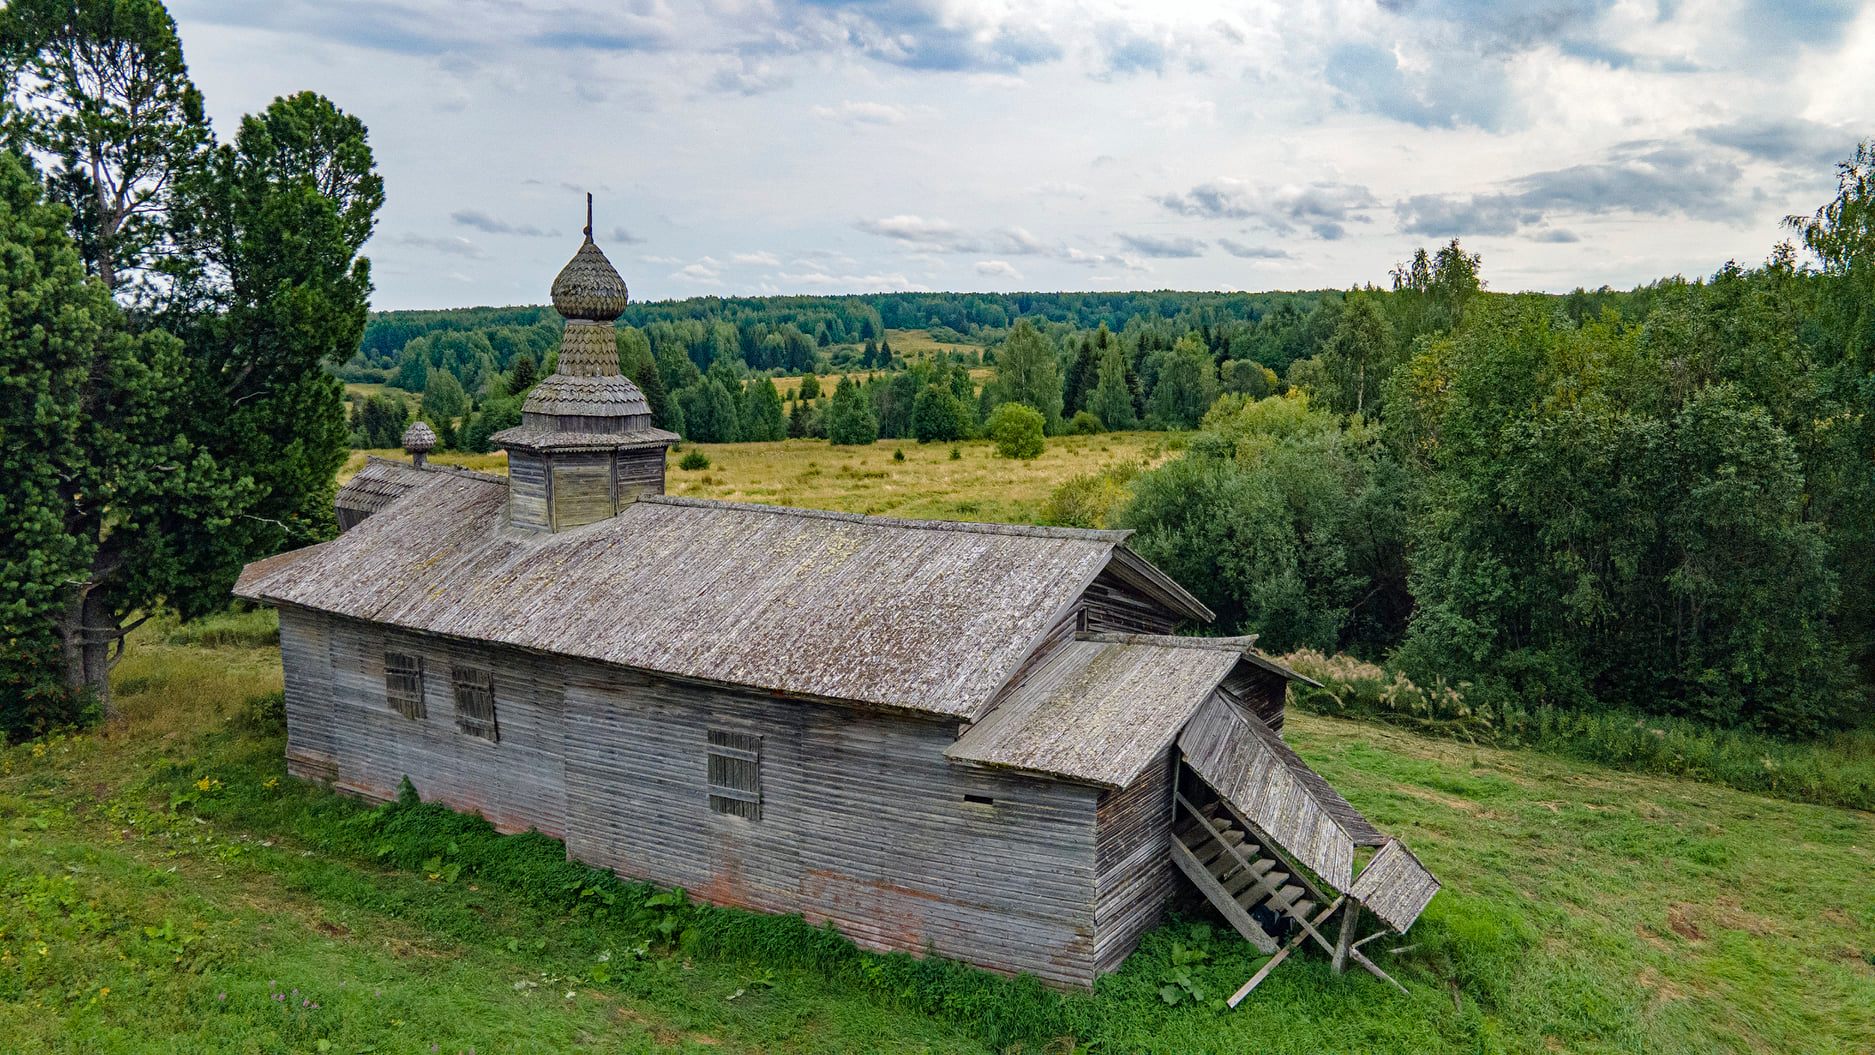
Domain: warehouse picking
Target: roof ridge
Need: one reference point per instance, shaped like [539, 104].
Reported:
[455, 470]
[1114, 537]
[1238, 644]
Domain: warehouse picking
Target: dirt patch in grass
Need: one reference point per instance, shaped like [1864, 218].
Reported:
[1679, 917]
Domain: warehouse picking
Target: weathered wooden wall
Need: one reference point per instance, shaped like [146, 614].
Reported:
[639, 472]
[1113, 607]
[1260, 692]
[864, 822]
[1133, 862]
[518, 783]
[582, 488]
[528, 492]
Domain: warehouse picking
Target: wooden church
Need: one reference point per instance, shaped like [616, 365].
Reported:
[976, 740]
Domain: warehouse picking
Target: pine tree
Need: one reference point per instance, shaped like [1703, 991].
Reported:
[810, 387]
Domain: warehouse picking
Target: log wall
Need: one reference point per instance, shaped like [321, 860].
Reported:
[1133, 861]
[864, 823]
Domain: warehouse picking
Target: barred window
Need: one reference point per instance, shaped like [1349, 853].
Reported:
[736, 774]
[403, 683]
[475, 702]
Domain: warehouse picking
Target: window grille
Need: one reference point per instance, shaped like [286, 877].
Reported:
[403, 683]
[736, 774]
[475, 702]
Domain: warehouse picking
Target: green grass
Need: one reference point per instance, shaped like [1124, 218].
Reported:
[928, 483]
[167, 859]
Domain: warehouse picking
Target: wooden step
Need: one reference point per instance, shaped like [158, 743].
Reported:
[1302, 909]
[1259, 892]
[1215, 848]
[1244, 877]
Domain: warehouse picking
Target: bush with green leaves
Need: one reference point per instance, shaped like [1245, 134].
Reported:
[1017, 430]
[1085, 423]
[1283, 522]
[693, 460]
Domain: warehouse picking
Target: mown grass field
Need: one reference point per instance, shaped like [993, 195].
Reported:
[166, 888]
[928, 483]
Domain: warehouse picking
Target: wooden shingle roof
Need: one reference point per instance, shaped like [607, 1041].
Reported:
[1101, 708]
[930, 617]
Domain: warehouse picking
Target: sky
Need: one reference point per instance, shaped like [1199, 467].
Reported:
[810, 146]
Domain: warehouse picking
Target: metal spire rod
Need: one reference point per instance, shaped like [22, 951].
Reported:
[589, 216]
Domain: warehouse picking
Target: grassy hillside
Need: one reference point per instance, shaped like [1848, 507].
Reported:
[166, 888]
[929, 483]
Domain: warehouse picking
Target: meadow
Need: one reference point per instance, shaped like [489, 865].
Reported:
[167, 888]
[926, 483]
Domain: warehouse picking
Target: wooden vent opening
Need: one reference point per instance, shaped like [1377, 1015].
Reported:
[475, 702]
[403, 683]
[736, 774]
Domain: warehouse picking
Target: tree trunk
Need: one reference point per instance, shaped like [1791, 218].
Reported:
[86, 633]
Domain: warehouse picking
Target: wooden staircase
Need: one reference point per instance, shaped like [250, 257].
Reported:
[1261, 896]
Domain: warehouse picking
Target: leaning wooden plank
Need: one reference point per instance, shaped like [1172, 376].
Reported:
[1281, 955]
[1239, 919]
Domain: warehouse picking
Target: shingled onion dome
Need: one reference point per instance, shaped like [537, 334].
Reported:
[586, 393]
[585, 446]
[419, 440]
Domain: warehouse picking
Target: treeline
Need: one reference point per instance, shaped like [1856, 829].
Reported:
[706, 374]
[1659, 502]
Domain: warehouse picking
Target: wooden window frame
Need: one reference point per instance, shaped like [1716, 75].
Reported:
[735, 774]
[474, 691]
[403, 684]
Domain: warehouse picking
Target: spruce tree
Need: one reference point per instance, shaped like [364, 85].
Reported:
[850, 420]
[763, 420]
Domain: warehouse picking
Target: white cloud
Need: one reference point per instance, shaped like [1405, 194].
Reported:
[860, 113]
[901, 145]
[998, 269]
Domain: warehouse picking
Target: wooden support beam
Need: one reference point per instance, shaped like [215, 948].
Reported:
[1350, 921]
[1281, 955]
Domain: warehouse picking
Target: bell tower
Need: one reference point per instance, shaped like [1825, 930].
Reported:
[585, 447]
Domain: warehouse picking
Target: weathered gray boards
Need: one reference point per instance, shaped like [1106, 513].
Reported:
[970, 739]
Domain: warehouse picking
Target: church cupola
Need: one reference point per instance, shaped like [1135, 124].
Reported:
[585, 447]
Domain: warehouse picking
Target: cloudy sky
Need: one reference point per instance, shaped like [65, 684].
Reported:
[806, 146]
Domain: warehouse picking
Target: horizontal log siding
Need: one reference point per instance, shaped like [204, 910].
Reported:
[517, 784]
[306, 662]
[1261, 692]
[639, 472]
[528, 491]
[1113, 607]
[582, 489]
[863, 823]
[1133, 862]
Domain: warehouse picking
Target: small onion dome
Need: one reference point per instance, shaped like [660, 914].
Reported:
[588, 287]
[418, 438]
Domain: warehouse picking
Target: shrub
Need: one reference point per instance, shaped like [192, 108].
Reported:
[1017, 430]
[694, 460]
[1085, 423]
[898, 454]
[1090, 499]
[1834, 773]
